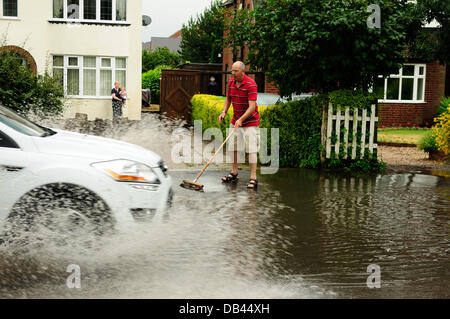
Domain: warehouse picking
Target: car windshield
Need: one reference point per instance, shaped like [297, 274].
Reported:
[268, 99]
[20, 124]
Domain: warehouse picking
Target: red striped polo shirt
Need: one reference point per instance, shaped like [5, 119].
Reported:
[239, 98]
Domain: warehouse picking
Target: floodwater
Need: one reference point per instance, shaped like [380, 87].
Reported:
[302, 234]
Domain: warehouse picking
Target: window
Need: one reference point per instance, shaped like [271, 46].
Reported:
[106, 10]
[89, 76]
[6, 141]
[105, 77]
[73, 9]
[90, 10]
[407, 86]
[73, 76]
[9, 8]
[121, 71]
[121, 10]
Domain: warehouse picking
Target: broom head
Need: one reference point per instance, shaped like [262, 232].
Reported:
[192, 186]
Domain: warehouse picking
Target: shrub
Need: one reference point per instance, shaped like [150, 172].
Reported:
[428, 142]
[24, 92]
[299, 124]
[445, 103]
[442, 132]
[151, 80]
[158, 57]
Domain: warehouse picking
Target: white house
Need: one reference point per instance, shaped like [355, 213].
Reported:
[89, 44]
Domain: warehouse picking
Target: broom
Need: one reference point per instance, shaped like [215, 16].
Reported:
[199, 187]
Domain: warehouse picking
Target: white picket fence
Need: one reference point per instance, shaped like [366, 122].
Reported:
[368, 126]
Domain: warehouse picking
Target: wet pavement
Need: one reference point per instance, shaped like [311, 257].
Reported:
[302, 234]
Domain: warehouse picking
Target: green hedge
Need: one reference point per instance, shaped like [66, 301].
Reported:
[299, 124]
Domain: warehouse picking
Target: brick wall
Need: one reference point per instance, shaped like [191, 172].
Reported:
[417, 113]
[270, 87]
[25, 54]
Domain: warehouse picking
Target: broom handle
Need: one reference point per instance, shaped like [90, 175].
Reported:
[212, 158]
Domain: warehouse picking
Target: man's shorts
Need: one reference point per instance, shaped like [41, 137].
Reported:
[245, 138]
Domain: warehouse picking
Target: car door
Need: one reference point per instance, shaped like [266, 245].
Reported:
[12, 160]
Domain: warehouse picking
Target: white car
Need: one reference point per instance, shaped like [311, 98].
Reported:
[90, 178]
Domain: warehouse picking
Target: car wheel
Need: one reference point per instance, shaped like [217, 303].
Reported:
[59, 213]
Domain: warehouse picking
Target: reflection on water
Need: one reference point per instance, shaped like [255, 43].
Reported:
[400, 222]
[302, 234]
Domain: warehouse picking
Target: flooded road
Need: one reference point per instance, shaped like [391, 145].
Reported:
[302, 234]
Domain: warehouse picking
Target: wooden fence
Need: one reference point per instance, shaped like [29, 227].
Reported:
[349, 130]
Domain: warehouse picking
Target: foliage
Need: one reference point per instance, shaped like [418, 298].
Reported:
[442, 131]
[299, 124]
[433, 44]
[235, 21]
[23, 91]
[428, 142]
[151, 80]
[291, 40]
[202, 37]
[369, 164]
[443, 106]
[352, 99]
[160, 56]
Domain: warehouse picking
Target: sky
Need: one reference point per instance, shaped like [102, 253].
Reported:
[168, 16]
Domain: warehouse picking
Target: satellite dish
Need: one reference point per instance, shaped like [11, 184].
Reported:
[146, 20]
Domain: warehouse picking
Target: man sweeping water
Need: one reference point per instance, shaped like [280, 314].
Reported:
[242, 92]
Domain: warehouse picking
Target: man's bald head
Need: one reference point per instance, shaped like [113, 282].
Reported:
[238, 70]
[240, 65]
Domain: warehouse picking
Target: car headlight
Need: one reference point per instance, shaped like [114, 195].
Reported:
[128, 171]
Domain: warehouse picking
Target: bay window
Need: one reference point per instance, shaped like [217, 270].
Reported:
[89, 76]
[90, 10]
[407, 86]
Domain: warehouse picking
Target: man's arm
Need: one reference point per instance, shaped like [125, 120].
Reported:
[227, 104]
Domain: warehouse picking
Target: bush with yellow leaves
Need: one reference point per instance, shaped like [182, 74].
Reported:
[442, 132]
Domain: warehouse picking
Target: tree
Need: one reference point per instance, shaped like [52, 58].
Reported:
[433, 44]
[202, 37]
[327, 44]
[160, 56]
[23, 91]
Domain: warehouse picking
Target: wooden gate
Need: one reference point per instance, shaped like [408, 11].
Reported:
[177, 89]
[345, 132]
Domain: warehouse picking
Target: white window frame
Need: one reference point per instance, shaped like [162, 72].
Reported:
[98, 68]
[2, 16]
[97, 20]
[400, 76]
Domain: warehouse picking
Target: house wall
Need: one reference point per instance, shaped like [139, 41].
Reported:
[417, 113]
[42, 39]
